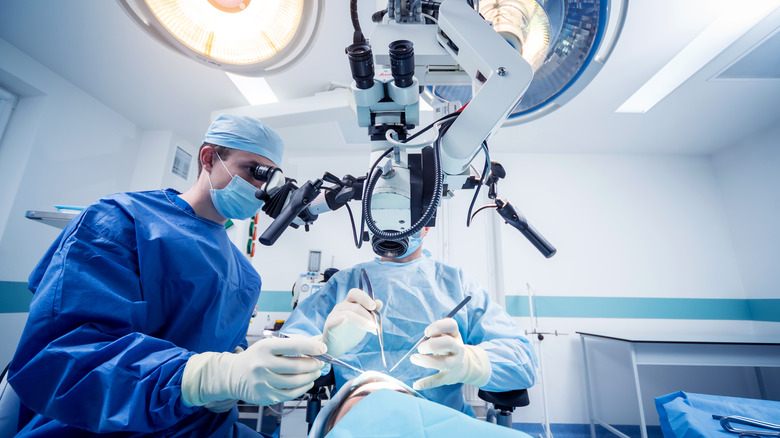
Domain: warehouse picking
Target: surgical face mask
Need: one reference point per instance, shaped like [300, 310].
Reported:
[237, 200]
[414, 243]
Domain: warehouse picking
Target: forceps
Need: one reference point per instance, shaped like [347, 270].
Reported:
[770, 429]
[327, 358]
[375, 313]
[425, 338]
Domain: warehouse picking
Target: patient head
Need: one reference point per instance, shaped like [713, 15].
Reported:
[350, 394]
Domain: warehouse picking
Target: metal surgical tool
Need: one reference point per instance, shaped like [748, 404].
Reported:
[763, 428]
[425, 338]
[327, 358]
[375, 313]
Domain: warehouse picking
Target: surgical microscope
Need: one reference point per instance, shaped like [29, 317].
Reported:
[445, 43]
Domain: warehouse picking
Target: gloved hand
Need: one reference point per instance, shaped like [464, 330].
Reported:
[223, 405]
[261, 375]
[456, 362]
[349, 321]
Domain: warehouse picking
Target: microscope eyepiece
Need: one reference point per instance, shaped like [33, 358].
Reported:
[361, 62]
[264, 173]
[402, 62]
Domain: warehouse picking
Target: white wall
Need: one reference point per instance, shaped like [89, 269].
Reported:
[61, 147]
[749, 177]
[624, 226]
[156, 152]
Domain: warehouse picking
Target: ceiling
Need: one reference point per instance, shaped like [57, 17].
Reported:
[95, 45]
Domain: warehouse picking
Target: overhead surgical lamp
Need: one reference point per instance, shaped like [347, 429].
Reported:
[246, 37]
[563, 40]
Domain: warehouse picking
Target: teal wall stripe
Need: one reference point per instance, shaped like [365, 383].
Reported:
[765, 310]
[14, 297]
[274, 301]
[624, 307]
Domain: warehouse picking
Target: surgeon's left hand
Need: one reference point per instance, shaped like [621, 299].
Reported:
[446, 352]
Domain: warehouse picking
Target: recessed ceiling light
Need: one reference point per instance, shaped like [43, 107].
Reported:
[255, 90]
[723, 32]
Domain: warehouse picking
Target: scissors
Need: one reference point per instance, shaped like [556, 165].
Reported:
[376, 314]
[327, 358]
[766, 429]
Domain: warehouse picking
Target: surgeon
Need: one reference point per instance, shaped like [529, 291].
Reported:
[140, 310]
[480, 345]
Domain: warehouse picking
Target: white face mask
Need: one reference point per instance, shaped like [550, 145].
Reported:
[237, 200]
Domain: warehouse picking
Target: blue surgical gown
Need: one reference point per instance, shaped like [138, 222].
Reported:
[415, 294]
[134, 286]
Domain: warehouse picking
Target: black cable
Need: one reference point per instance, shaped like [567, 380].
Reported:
[482, 208]
[357, 36]
[429, 211]
[416, 134]
[359, 239]
[358, 242]
[372, 178]
[481, 181]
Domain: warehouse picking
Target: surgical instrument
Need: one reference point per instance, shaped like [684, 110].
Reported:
[425, 338]
[375, 313]
[766, 429]
[327, 358]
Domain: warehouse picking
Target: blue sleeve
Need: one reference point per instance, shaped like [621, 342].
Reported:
[512, 357]
[84, 358]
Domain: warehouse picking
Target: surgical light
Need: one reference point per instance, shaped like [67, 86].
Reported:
[563, 40]
[247, 37]
[523, 23]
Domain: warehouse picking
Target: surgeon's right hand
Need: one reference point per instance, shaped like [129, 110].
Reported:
[349, 321]
[264, 374]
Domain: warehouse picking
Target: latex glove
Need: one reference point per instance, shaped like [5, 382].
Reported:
[349, 321]
[223, 405]
[262, 375]
[446, 352]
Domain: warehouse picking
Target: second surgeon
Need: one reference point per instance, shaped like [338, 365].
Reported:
[480, 345]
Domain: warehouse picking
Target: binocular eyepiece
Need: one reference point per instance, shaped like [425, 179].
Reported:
[264, 173]
[402, 63]
[361, 63]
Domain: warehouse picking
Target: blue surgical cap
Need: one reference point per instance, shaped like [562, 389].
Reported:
[246, 134]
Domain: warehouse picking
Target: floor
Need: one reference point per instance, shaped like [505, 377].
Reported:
[583, 430]
[534, 429]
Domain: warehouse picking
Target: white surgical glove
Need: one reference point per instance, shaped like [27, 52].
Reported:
[262, 375]
[446, 352]
[349, 321]
[221, 406]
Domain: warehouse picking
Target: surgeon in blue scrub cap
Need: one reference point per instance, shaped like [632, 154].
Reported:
[138, 321]
[480, 345]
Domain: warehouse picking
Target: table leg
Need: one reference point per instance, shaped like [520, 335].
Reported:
[642, 423]
[588, 390]
[761, 385]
